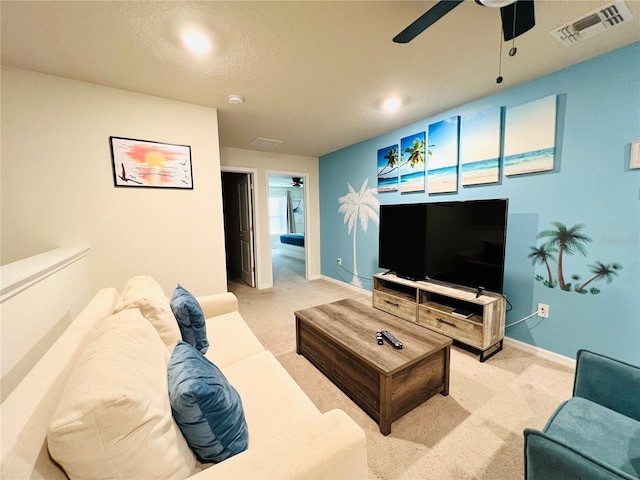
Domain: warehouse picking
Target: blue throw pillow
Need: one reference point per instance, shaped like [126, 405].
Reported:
[190, 318]
[205, 406]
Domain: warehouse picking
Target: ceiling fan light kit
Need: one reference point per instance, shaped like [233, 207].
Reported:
[495, 3]
[517, 17]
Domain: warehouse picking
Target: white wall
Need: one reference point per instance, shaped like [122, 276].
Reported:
[264, 162]
[57, 183]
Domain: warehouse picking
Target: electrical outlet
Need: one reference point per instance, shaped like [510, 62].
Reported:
[543, 310]
[339, 261]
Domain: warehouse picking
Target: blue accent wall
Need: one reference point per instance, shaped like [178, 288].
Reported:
[592, 184]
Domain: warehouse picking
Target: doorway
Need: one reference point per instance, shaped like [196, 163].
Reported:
[287, 225]
[239, 234]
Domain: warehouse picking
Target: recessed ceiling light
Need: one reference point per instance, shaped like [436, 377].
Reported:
[196, 42]
[392, 104]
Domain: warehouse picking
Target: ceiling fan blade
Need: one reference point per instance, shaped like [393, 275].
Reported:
[523, 12]
[427, 19]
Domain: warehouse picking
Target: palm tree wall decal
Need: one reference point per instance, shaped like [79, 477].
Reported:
[563, 240]
[542, 255]
[359, 207]
[567, 240]
[600, 270]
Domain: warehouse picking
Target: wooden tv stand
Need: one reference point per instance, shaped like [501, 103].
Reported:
[435, 305]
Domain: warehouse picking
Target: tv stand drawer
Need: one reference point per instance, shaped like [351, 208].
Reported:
[451, 326]
[394, 305]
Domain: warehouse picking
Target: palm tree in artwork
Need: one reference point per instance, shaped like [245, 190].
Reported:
[600, 270]
[359, 207]
[392, 161]
[416, 157]
[416, 153]
[567, 240]
[541, 255]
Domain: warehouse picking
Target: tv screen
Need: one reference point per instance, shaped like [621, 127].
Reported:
[457, 242]
[401, 248]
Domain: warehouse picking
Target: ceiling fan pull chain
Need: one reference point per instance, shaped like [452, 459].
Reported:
[514, 50]
[499, 79]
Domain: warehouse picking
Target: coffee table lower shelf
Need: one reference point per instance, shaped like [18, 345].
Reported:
[384, 395]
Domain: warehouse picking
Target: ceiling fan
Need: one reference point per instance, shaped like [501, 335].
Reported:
[517, 17]
[297, 182]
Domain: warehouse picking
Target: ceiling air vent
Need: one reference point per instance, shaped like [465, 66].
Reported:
[593, 23]
[265, 143]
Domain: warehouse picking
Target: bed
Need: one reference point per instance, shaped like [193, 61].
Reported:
[292, 244]
[296, 239]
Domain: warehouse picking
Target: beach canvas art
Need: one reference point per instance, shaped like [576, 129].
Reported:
[142, 163]
[480, 139]
[412, 163]
[442, 171]
[388, 163]
[530, 137]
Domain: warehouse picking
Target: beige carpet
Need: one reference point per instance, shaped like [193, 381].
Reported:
[473, 433]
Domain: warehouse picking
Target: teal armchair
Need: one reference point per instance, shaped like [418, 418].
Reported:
[594, 435]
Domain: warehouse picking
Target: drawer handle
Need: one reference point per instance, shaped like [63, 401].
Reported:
[392, 303]
[448, 323]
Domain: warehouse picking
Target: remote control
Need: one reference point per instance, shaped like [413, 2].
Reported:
[391, 339]
[379, 338]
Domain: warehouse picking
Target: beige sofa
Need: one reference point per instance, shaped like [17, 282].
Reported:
[288, 436]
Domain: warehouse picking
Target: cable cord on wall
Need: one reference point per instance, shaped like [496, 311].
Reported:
[369, 279]
[522, 319]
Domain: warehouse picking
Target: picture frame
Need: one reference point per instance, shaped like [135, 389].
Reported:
[388, 164]
[412, 163]
[146, 163]
[480, 144]
[442, 166]
[530, 137]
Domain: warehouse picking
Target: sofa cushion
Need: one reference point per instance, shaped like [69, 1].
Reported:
[597, 432]
[190, 318]
[228, 326]
[114, 419]
[144, 293]
[205, 405]
[273, 402]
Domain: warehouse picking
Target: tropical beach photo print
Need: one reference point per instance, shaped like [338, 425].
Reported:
[412, 163]
[442, 171]
[530, 137]
[480, 141]
[388, 158]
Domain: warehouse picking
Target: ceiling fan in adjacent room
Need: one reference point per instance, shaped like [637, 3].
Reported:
[296, 182]
[517, 18]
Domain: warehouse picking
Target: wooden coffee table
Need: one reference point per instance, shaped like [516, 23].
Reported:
[339, 339]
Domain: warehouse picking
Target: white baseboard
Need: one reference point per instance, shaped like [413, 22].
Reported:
[540, 352]
[346, 285]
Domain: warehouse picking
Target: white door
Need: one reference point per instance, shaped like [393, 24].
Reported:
[246, 232]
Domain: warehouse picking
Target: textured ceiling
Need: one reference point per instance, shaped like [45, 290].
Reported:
[313, 73]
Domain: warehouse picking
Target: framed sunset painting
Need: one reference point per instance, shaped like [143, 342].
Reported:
[143, 163]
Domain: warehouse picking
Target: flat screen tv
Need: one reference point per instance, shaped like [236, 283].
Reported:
[456, 242]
